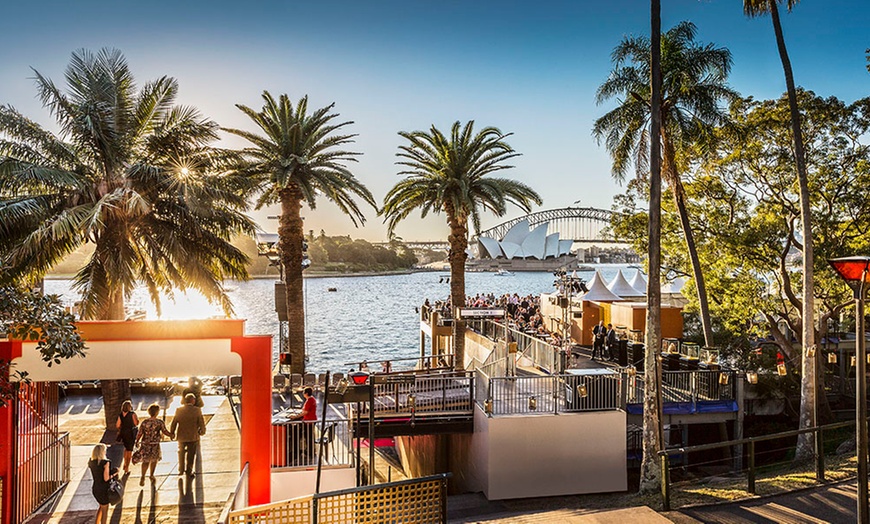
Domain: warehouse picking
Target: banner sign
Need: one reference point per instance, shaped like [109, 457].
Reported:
[481, 312]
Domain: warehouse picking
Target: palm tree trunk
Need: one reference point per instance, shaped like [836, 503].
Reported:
[650, 472]
[680, 200]
[458, 240]
[805, 445]
[290, 236]
[115, 392]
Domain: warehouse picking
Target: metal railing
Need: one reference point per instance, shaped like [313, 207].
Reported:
[552, 394]
[687, 386]
[424, 395]
[735, 451]
[541, 353]
[41, 475]
[296, 444]
[424, 364]
[238, 499]
[414, 501]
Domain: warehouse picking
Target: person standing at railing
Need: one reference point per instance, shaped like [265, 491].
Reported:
[308, 416]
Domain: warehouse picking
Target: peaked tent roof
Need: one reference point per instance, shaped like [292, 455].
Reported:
[621, 287]
[675, 287]
[639, 283]
[598, 291]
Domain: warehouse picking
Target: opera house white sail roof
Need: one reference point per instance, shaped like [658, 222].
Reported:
[522, 242]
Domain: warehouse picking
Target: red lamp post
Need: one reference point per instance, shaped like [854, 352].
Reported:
[856, 272]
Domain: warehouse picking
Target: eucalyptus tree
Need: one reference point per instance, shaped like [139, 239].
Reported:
[297, 155]
[130, 173]
[449, 174]
[693, 90]
[754, 8]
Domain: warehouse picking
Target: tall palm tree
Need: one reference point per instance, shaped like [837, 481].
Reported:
[298, 156]
[449, 175]
[693, 87]
[805, 448]
[129, 172]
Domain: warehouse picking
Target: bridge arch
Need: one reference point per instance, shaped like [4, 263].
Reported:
[580, 224]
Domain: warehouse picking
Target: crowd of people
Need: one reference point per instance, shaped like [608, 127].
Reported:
[522, 313]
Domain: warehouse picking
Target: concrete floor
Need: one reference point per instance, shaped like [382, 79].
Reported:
[170, 498]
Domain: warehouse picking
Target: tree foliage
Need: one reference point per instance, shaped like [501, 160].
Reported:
[31, 316]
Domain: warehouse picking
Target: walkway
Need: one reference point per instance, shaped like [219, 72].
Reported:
[834, 503]
[171, 498]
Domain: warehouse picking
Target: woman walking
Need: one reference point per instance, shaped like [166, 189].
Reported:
[150, 435]
[102, 470]
[127, 423]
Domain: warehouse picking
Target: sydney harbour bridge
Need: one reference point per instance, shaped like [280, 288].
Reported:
[587, 225]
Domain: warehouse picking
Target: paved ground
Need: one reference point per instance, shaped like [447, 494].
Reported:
[474, 508]
[171, 498]
[834, 503]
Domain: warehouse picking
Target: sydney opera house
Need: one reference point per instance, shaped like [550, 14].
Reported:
[525, 249]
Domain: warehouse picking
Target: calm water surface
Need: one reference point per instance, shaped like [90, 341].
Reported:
[367, 317]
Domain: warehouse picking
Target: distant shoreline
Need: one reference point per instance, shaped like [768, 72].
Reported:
[309, 274]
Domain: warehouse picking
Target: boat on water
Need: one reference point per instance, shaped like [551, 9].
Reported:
[503, 273]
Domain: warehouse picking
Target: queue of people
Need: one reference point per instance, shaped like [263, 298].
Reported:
[141, 441]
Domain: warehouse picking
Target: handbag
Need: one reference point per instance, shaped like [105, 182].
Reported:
[116, 491]
[137, 453]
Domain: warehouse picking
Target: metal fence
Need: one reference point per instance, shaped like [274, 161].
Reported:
[553, 394]
[541, 353]
[762, 454]
[297, 444]
[42, 455]
[422, 395]
[415, 501]
[687, 386]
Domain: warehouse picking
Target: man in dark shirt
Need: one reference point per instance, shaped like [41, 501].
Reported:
[612, 340]
[599, 332]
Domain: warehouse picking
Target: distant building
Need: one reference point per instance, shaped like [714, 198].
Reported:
[521, 242]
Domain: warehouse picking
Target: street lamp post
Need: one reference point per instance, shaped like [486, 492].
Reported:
[856, 271]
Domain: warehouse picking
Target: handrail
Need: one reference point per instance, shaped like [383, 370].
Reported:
[230, 504]
[665, 454]
[360, 489]
[761, 438]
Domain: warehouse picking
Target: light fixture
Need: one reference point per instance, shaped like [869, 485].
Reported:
[359, 378]
[856, 272]
[341, 389]
[631, 370]
[752, 377]
[723, 379]
[582, 391]
[853, 361]
[832, 358]
[412, 401]
[811, 351]
[533, 403]
[781, 369]
[487, 406]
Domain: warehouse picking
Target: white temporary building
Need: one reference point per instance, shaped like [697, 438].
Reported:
[598, 291]
[638, 282]
[620, 286]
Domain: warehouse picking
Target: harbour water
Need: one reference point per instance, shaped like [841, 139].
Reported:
[366, 318]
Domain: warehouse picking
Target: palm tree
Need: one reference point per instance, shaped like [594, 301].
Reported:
[298, 156]
[693, 86]
[805, 448]
[449, 175]
[129, 172]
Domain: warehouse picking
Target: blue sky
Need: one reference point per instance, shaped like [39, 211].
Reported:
[530, 68]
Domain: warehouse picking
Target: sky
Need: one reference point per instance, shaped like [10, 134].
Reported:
[528, 68]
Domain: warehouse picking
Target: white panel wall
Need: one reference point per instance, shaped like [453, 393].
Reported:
[291, 484]
[549, 455]
[118, 359]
